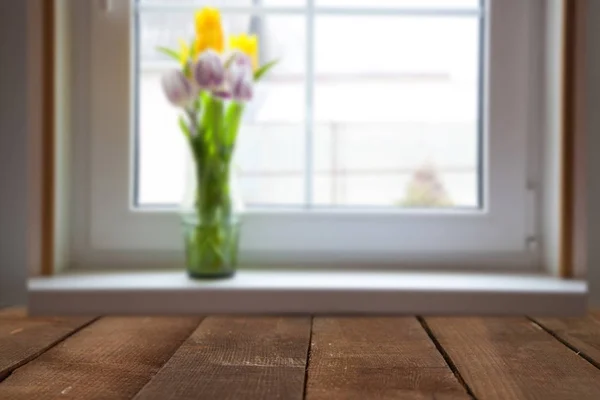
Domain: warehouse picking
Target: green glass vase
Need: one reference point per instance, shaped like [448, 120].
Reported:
[211, 247]
[211, 222]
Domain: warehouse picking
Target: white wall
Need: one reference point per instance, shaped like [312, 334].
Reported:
[13, 152]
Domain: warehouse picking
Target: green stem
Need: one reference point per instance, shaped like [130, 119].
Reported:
[211, 245]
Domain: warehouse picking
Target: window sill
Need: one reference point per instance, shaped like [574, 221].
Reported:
[282, 292]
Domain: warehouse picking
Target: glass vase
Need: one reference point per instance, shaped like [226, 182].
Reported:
[211, 221]
[211, 248]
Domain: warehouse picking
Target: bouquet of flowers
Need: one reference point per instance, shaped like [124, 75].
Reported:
[211, 87]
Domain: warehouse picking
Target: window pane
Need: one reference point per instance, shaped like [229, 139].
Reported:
[396, 108]
[383, 164]
[461, 4]
[165, 29]
[229, 3]
[272, 137]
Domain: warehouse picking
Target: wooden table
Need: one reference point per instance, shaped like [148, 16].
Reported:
[298, 357]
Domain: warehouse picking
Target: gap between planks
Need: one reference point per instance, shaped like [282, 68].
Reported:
[308, 355]
[446, 356]
[24, 338]
[502, 358]
[580, 334]
[236, 358]
[114, 357]
[377, 357]
[251, 358]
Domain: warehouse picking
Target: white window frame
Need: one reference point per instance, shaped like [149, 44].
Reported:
[110, 232]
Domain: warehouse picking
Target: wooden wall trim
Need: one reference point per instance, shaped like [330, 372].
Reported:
[48, 138]
[567, 140]
[581, 166]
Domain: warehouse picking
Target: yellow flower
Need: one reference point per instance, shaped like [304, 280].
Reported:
[187, 53]
[209, 31]
[247, 44]
[184, 52]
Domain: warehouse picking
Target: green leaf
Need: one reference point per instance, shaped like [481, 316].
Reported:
[212, 121]
[264, 69]
[197, 106]
[229, 60]
[233, 118]
[217, 110]
[186, 70]
[208, 113]
[170, 53]
[184, 128]
[187, 65]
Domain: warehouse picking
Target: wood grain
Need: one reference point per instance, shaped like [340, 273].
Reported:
[23, 338]
[48, 137]
[567, 145]
[513, 358]
[237, 358]
[582, 334]
[365, 358]
[113, 358]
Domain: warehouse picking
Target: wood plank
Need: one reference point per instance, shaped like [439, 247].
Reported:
[23, 338]
[582, 334]
[513, 358]
[237, 358]
[365, 358]
[113, 358]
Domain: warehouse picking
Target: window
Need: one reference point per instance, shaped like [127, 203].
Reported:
[374, 103]
[385, 109]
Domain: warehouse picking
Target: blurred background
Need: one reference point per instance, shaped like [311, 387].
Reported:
[395, 106]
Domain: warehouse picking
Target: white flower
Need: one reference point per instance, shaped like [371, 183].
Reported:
[178, 89]
[240, 77]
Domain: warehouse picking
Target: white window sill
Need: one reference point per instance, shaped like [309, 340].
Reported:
[282, 292]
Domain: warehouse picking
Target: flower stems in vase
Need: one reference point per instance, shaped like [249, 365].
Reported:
[211, 88]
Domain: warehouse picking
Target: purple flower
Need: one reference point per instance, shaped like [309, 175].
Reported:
[240, 77]
[209, 73]
[222, 93]
[178, 89]
[242, 90]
